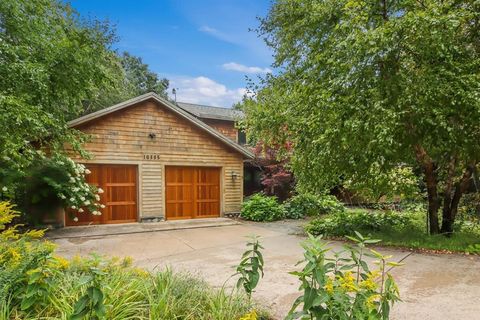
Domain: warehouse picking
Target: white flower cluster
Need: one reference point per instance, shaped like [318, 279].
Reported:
[77, 194]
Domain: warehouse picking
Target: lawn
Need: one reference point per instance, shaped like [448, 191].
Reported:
[401, 229]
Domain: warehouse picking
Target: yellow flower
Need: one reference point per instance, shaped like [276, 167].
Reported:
[329, 286]
[127, 262]
[62, 262]
[371, 301]
[36, 234]
[250, 316]
[14, 255]
[369, 283]
[140, 272]
[347, 282]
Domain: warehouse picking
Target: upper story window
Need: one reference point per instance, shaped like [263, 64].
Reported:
[241, 137]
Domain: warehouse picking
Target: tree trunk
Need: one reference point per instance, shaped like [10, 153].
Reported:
[450, 206]
[431, 181]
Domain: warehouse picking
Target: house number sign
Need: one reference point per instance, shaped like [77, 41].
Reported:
[151, 156]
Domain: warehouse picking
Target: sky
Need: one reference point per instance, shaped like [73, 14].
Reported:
[204, 47]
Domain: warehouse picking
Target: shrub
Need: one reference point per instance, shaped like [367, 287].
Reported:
[307, 204]
[260, 207]
[345, 222]
[36, 284]
[48, 184]
[344, 287]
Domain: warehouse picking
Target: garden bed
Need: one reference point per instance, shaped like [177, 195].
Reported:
[406, 230]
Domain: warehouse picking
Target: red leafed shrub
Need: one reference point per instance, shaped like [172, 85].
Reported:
[276, 179]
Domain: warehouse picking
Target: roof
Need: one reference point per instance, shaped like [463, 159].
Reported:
[172, 107]
[209, 112]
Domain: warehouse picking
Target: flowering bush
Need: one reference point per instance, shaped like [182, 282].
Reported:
[344, 287]
[53, 182]
[75, 193]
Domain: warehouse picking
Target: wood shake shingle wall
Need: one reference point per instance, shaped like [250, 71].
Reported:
[123, 137]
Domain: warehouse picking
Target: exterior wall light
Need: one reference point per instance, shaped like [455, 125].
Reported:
[234, 175]
[152, 135]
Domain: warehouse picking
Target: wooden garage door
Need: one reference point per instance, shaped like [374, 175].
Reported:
[192, 192]
[119, 183]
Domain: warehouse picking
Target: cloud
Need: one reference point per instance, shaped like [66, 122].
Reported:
[217, 34]
[233, 66]
[203, 90]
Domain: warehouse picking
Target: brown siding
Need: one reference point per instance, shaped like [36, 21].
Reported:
[227, 128]
[123, 138]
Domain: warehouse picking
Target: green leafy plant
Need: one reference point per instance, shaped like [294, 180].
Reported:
[308, 204]
[346, 222]
[343, 287]
[260, 207]
[250, 268]
[37, 284]
[91, 304]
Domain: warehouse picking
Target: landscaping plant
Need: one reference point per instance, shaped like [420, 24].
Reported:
[309, 204]
[260, 207]
[37, 284]
[345, 223]
[250, 268]
[344, 287]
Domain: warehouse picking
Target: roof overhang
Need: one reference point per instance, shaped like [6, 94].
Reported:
[170, 106]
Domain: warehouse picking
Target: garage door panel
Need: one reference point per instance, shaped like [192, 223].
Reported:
[192, 192]
[119, 183]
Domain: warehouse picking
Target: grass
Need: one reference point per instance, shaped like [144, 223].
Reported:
[412, 234]
[460, 241]
[133, 293]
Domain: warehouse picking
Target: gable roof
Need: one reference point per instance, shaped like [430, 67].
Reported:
[209, 112]
[170, 106]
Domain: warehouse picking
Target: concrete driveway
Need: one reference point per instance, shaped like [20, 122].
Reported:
[431, 286]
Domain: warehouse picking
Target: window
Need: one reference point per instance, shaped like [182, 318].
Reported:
[241, 137]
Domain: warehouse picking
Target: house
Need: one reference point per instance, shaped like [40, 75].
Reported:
[157, 160]
[221, 119]
[224, 120]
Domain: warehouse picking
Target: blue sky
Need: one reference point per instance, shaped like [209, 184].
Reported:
[204, 47]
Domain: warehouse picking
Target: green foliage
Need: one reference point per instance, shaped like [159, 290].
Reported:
[50, 183]
[398, 184]
[308, 204]
[401, 229]
[344, 287]
[260, 207]
[91, 304]
[363, 86]
[345, 223]
[131, 77]
[51, 60]
[37, 284]
[250, 268]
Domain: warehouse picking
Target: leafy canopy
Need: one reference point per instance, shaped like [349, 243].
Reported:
[362, 86]
[50, 61]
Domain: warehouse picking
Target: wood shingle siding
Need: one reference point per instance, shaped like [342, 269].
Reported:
[124, 137]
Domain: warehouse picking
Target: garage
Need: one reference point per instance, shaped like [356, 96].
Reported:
[192, 192]
[119, 183]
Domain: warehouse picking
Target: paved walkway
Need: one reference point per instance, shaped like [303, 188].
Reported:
[431, 286]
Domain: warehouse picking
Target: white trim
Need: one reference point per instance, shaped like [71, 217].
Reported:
[177, 110]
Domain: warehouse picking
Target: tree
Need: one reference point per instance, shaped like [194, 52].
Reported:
[141, 78]
[365, 86]
[131, 77]
[277, 180]
[50, 61]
